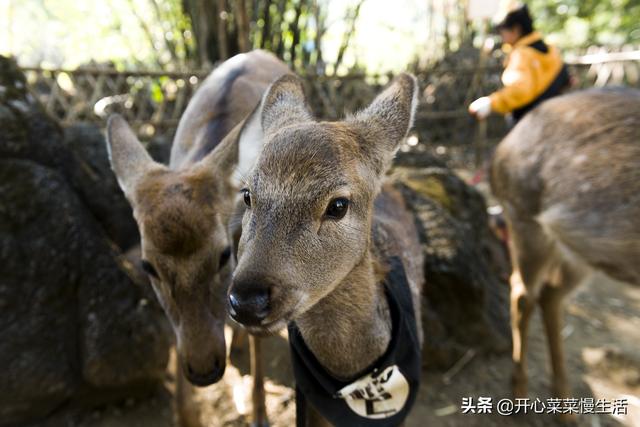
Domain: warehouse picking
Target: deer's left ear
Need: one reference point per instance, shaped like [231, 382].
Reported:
[284, 103]
[385, 123]
[129, 159]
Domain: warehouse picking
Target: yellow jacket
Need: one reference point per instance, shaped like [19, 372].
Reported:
[528, 73]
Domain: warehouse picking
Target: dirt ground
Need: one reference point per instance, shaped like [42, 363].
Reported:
[602, 335]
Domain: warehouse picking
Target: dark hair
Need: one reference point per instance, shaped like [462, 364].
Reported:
[517, 17]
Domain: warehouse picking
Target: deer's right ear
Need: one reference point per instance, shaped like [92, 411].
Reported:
[129, 160]
[386, 122]
[284, 103]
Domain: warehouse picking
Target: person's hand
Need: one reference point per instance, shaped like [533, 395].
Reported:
[481, 107]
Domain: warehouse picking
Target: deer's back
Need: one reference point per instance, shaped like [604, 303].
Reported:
[573, 166]
[222, 101]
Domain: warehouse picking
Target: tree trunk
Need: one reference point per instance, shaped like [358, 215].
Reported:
[265, 39]
[204, 22]
[346, 38]
[242, 21]
[319, 18]
[222, 16]
[277, 46]
[295, 30]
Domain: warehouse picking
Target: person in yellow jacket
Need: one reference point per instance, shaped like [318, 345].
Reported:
[534, 70]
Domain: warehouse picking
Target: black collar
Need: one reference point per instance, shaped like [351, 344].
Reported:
[383, 394]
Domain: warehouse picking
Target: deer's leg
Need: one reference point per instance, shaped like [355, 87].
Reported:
[530, 251]
[238, 339]
[188, 411]
[257, 393]
[562, 280]
[522, 305]
[551, 305]
[314, 419]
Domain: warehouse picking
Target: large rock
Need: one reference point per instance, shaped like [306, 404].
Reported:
[77, 325]
[99, 189]
[466, 296]
[38, 345]
[78, 153]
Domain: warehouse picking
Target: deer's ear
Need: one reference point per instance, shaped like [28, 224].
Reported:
[235, 156]
[385, 123]
[284, 103]
[129, 159]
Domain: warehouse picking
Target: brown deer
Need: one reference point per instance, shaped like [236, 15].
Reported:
[568, 177]
[319, 236]
[183, 210]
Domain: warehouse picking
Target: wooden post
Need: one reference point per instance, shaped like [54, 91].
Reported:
[480, 140]
[482, 10]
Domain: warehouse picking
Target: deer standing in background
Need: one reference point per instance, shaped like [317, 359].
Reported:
[568, 176]
[319, 235]
[183, 210]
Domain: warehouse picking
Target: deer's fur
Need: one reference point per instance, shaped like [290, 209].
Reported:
[183, 210]
[326, 274]
[568, 176]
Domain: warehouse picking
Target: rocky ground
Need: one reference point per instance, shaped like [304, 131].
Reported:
[602, 335]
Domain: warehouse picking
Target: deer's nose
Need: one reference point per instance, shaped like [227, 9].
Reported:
[249, 305]
[202, 380]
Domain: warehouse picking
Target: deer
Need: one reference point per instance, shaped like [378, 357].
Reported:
[326, 244]
[568, 178]
[183, 209]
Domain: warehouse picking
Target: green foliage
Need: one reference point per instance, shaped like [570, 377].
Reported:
[577, 23]
[195, 34]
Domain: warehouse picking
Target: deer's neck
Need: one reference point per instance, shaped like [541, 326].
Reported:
[351, 327]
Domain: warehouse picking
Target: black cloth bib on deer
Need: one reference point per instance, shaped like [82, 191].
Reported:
[384, 394]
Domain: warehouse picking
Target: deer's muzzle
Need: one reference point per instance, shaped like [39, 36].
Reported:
[249, 304]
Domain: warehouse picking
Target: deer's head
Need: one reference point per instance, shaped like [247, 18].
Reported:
[309, 200]
[182, 216]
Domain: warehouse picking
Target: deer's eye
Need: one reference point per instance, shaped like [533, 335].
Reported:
[337, 208]
[149, 268]
[246, 195]
[224, 257]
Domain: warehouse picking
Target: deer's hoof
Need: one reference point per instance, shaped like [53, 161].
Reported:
[264, 423]
[560, 390]
[518, 387]
[568, 419]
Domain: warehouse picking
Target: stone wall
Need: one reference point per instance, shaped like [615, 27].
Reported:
[77, 323]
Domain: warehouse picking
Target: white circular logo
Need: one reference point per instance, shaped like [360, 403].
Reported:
[380, 394]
